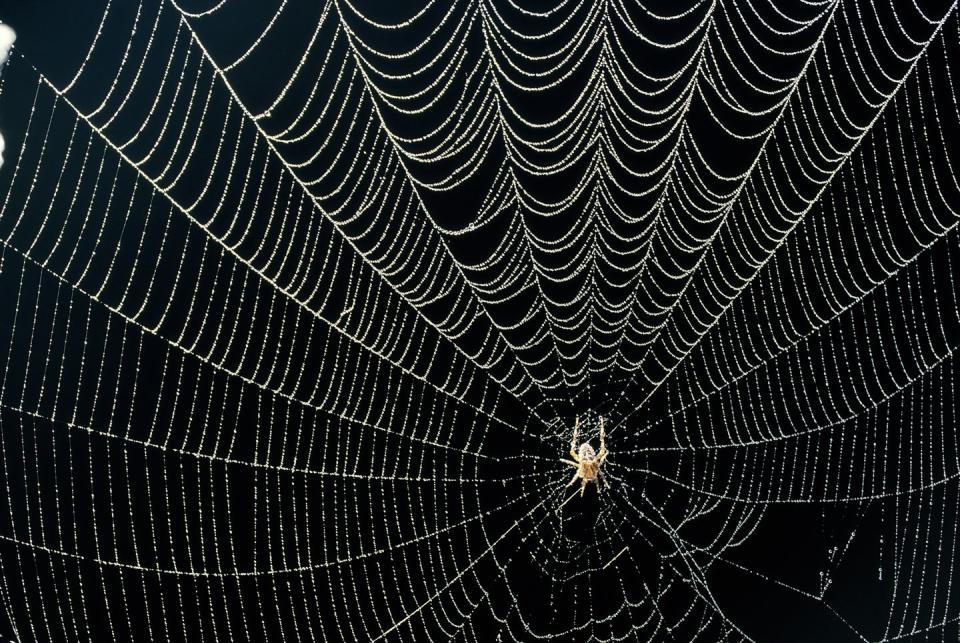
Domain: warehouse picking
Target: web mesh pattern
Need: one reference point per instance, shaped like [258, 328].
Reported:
[301, 302]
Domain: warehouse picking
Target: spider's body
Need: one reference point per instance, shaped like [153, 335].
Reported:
[585, 459]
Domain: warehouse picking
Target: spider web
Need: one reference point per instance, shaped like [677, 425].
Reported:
[301, 302]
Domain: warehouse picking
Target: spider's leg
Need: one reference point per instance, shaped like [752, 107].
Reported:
[573, 442]
[574, 478]
[570, 462]
[583, 487]
[603, 447]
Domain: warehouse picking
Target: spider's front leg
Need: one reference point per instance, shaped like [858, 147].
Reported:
[573, 442]
[570, 462]
[603, 447]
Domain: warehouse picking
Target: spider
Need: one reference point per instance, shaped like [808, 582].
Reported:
[587, 461]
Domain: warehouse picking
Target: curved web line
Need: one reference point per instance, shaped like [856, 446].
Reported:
[221, 74]
[845, 157]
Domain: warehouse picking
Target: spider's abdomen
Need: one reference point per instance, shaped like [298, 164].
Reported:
[586, 452]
